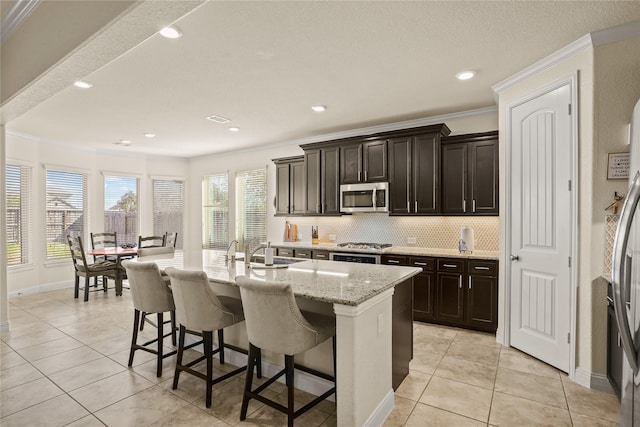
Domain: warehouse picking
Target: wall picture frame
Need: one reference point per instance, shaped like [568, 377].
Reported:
[618, 166]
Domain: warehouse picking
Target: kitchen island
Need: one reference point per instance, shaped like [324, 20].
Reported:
[360, 297]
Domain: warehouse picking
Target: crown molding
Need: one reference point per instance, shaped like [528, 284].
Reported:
[597, 38]
[15, 16]
[618, 33]
[572, 49]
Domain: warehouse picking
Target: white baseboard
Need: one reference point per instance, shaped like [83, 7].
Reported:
[5, 326]
[382, 411]
[500, 336]
[40, 288]
[590, 380]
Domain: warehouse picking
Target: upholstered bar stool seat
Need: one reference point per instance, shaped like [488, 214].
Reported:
[151, 294]
[201, 311]
[149, 255]
[276, 324]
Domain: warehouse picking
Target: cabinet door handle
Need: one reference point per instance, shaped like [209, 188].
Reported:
[464, 206]
[408, 206]
[449, 265]
[393, 261]
[469, 282]
[321, 256]
[460, 281]
[365, 176]
[424, 264]
[474, 205]
[358, 176]
[415, 206]
[481, 268]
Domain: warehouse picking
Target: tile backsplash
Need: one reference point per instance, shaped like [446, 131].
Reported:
[611, 222]
[429, 232]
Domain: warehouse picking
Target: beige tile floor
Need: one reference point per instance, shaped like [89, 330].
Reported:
[64, 362]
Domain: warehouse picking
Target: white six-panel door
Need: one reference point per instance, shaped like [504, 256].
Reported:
[541, 227]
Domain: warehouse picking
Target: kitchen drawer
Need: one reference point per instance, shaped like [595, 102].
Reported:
[285, 252]
[394, 260]
[483, 268]
[320, 255]
[450, 265]
[427, 264]
[302, 253]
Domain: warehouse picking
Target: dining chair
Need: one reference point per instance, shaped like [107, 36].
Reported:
[83, 269]
[170, 239]
[276, 324]
[151, 241]
[101, 241]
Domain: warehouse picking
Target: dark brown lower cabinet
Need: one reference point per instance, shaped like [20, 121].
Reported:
[614, 347]
[449, 300]
[453, 291]
[401, 332]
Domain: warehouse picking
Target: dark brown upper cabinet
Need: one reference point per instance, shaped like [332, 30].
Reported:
[290, 191]
[363, 162]
[470, 174]
[414, 173]
[321, 171]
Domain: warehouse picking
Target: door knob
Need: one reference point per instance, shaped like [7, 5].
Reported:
[515, 258]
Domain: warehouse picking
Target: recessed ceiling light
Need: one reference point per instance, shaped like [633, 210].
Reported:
[171, 32]
[234, 129]
[465, 75]
[82, 85]
[150, 135]
[125, 142]
[318, 108]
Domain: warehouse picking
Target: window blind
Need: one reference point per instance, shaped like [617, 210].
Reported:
[66, 205]
[121, 207]
[19, 193]
[168, 207]
[215, 211]
[251, 206]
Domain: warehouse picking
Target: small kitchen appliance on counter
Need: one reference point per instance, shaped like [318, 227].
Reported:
[467, 239]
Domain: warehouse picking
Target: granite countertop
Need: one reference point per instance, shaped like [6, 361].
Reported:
[326, 281]
[394, 250]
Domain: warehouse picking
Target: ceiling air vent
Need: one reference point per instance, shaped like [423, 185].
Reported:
[218, 119]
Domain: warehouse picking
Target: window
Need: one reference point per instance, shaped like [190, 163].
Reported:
[66, 206]
[168, 206]
[19, 207]
[215, 211]
[121, 207]
[251, 206]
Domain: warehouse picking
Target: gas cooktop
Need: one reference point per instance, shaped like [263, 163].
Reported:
[360, 245]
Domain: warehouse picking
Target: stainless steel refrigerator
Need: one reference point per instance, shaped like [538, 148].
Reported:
[625, 275]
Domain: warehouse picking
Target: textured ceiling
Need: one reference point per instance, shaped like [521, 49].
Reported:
[263, 64]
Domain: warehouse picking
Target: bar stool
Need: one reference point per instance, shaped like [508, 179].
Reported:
[151, 294]
[200, 312]
[276, 324]
[151, 254]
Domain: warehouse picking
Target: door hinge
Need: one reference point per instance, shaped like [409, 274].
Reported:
[569, 262]
[569, 185]
[569, 109]
[568, 337]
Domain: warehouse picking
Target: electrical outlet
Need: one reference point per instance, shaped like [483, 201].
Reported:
[380, 323]
[411, 240]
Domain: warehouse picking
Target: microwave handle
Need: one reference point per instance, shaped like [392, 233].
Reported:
[374, 198]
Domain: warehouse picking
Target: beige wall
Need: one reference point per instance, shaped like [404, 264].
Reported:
[608, 87]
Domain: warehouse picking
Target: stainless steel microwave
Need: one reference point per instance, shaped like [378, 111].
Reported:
[368, 197]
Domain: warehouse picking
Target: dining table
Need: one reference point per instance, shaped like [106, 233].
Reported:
[119, 253]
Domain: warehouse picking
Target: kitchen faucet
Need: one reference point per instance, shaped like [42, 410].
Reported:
[233, 255]
[249, 250]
